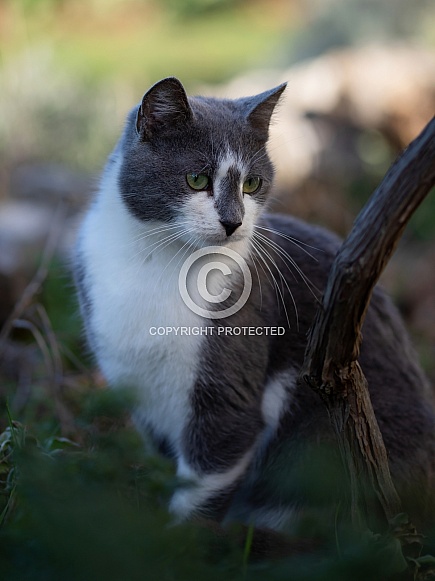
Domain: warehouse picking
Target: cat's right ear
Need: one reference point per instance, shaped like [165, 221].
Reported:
[164, 106]
[259, 108]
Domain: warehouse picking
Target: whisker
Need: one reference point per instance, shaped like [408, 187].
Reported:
[190, 245]
[252, 256]
[283, 279]
[286, 257]
[292, 261]
[261, 266]
[294, 241]
[156, 243]
[269, 276]
[166, 243]
[159, 243]
[261, 251]
[283, 258]
[267, 149]
[157, 230]
[187, 246]
[273, 144]
[175, 255]
[193, 244]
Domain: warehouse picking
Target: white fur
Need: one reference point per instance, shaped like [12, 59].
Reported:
[275, 401]
[200, 217]
[132, 274]
[279, 518]
[275, 396]
[231, 159]
[133, 289]
[199, 489]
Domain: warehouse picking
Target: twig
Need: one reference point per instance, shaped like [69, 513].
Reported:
[54, 347]
[35, 284]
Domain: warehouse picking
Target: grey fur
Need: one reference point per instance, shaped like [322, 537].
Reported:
[165, 137]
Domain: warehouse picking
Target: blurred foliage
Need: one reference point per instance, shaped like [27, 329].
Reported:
[92, 512]
[333, 23]
[97, 510]
[421, 225]
[195, 8]
[88, 500]
[60, 301]
[70, 71]
[139, 42]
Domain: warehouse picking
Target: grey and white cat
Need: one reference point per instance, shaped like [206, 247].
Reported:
[193, 173]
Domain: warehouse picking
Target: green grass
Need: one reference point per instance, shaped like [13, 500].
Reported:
[94, 507]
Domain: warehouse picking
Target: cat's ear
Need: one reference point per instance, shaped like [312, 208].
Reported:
[164, 106]
[259, 109]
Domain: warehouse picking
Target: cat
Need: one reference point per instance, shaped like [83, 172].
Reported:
[214, 356]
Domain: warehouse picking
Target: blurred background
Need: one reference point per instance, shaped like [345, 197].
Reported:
[81, 498]
[361, 85]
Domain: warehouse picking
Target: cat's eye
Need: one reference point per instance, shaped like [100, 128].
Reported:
[251, 185]
[198, 181]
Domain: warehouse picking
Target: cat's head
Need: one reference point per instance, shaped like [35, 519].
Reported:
[198, 162]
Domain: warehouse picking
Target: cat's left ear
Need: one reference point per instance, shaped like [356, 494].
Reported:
[163, 107]
[259, 109]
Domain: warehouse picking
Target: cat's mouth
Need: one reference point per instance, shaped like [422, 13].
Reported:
[209, 233]
[233, 238]
[219, 240]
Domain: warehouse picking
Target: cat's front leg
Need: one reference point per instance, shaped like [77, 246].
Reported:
[206, 494]
[219, 444]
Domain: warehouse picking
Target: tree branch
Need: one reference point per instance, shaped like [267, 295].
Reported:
[331, 366]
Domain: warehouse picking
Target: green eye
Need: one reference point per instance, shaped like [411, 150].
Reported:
[197, 181]
[251, 185]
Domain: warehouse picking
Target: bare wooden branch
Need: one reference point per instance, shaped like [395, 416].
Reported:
[331, 366]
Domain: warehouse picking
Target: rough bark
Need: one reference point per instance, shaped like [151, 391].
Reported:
[331, 366]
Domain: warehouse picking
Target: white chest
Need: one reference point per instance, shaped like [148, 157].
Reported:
[133, 289]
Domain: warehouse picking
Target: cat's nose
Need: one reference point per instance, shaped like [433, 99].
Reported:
[230, 226]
